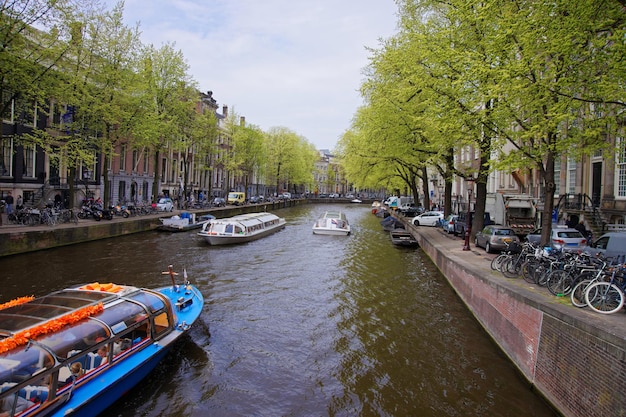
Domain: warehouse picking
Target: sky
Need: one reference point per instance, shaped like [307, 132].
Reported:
[290, 63]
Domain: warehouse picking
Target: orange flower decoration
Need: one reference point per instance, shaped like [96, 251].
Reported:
[16, 302]
[54, 325]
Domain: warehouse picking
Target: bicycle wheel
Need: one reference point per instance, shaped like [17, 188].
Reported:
[559, 283]
[73, 217]
[529, 270]
[578, 293]
[604, 297]
[511, 268]
[497, 261]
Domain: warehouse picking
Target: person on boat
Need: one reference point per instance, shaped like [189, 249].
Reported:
[103, 352]
[77, 370]
[6, 407]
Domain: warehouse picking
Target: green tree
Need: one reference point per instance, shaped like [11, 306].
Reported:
[166, 98]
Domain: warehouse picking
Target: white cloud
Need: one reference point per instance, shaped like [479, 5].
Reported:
[277, 62]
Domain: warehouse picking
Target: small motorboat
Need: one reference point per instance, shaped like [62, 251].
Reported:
[240, 229]
[332, 223]
[184, 222]
[402, 237]
[76, 351]
[390, 223]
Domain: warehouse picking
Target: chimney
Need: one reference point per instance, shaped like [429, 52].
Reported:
[225, 111]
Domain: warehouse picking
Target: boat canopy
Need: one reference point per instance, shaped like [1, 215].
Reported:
[122, 310]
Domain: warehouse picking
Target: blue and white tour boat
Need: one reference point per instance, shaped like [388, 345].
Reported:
[78, 350]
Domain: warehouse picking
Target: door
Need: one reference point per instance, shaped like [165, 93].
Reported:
[596, 184]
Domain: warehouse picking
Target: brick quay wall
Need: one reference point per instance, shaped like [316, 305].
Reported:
[574, 357]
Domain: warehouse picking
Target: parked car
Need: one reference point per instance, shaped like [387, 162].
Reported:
[460, 224]
[255, 199]
[611, 244]
[495, 238]
[218, 202]
[448, 223]
[428, 218]
[165, 204]
[563, 238]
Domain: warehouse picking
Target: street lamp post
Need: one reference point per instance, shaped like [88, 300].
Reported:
[468, 219]
[440, 188]
[86, 178]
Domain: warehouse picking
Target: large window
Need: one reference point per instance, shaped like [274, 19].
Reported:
[29, 161]
[123, 158]
[621, 169]
[571, 175]
[135, 160]
[145, 161]
[6, 157]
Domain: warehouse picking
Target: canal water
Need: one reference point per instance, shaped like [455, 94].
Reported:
[298, 324]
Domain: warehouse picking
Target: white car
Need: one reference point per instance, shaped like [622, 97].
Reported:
[428, 218]
[165, 204]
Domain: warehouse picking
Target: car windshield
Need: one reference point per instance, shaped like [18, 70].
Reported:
[570, 235]
[504, 232]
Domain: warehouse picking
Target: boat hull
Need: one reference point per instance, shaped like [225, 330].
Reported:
[332, 223]
[401, 237]
[185, 228]
[331, 232]
[216, 240]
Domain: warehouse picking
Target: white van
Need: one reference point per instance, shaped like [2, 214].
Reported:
[392, 202]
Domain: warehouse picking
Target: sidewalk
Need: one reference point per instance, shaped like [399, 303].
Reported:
[480, 261]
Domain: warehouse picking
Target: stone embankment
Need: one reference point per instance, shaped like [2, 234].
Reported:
[574, 357]
[16, 239]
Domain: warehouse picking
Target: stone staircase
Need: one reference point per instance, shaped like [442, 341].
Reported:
[583, 207]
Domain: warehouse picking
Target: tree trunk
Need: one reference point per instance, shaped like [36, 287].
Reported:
[157, 178]
[546, 220]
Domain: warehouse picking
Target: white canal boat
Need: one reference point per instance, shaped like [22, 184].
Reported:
[240, 229]
[332, 223]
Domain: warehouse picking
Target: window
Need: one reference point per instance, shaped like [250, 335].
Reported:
[121, 192]
[29, 161]
[145, 161]
[164, 170]
[123, 158]
[620, 170]
[6, 157]
[135, 160]
[571, 175]
[557, 177]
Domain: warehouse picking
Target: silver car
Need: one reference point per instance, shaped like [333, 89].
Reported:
[448, 223]
[495, 238]
[569, 240]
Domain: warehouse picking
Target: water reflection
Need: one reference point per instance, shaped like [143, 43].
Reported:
[299, 324]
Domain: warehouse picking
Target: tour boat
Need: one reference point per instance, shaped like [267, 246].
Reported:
[184, 222]
[332, 223]
[76, 351]
[240, 229]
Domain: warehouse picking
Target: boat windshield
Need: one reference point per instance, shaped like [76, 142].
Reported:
[122, 315]
[152, 301]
